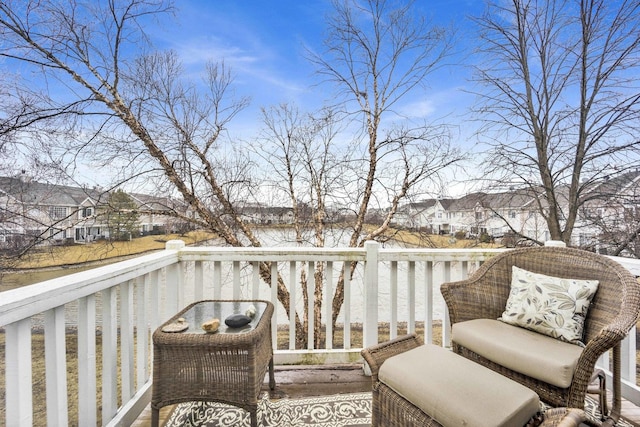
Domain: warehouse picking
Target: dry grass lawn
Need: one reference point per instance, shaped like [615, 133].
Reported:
[424, 240]
[101, 250]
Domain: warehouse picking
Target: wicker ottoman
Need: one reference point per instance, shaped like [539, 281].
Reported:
[426, 385]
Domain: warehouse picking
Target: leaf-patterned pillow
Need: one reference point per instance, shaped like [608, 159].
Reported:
[549, 305]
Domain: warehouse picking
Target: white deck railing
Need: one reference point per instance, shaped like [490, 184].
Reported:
[113, 310]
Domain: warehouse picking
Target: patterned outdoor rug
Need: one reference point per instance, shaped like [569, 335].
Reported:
[342, 410]
[592, 410]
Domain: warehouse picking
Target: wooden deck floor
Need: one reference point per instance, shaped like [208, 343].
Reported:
[303, 381]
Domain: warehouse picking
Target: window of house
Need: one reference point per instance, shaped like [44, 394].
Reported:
[512, 214]
[57, 212]
[584, 239]
[479, 215]
[86, 212]
[56, 234]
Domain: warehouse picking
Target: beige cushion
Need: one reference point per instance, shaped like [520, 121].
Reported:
[456, 391]
[520, 350]
[550, 305]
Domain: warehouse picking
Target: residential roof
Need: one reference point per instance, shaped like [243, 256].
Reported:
[612, 186]
[418, 206]
[520, 198]
[156, 203]
[36, 193]
[446, 203]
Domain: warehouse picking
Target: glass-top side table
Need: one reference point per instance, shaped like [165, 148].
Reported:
[227, 366]
[199, 312]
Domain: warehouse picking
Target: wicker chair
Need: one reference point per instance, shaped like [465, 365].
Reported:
[612, 313]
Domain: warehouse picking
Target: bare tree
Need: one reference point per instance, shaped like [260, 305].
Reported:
[306, 166]
[558, 87]
[376, 53]
[138, 113]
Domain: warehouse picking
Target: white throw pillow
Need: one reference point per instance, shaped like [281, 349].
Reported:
[549, 305]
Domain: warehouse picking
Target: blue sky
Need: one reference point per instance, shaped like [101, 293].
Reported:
[264, 43]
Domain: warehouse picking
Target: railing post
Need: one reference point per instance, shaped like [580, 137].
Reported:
[87, 385]
[628, 364]
[174, 245]
[411, 297]
[109, 355]
[428, 304]
[55, 367]
[127, 354]
[370, 336]
[274, 300]
[310, 305]
[142, 332]
[175, 281]
[446, 322]
[19, 409]
[198, 281]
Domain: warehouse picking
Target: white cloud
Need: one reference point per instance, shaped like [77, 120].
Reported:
[197, 52]
[418, 109]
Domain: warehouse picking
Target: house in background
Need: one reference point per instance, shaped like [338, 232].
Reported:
[476, 214]
[261, 214]
[47, 212]
[442, 221]
[610, 212]
[417, 215]
[159, 215]
[498, 214]
[44, 213]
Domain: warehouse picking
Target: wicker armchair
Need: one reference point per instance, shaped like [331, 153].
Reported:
[612, 313]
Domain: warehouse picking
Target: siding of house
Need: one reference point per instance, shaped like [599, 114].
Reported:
[29, 208]
[607, 205]
[50, 213]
